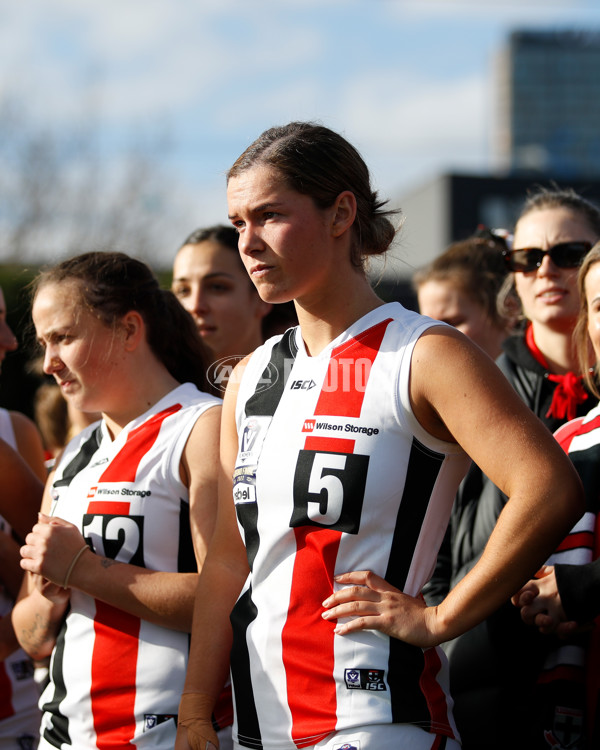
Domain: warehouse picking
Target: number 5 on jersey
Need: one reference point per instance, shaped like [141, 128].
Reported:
[329, 489]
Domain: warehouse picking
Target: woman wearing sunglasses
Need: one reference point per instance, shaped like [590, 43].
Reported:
[494, 667]
[552, 236]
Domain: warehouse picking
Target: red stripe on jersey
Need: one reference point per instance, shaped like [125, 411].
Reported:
[590, 426]
[581, 539]
[334, 445]
[348, 372]
[566, 432]
[140, 440]
[114, 667]
[434, 694]
[6, 706]
[306, 635]
[567, 672]
[105, 507]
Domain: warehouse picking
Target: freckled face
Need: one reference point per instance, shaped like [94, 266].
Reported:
[285, 240]
[79, 350]
[549, 294]
[212, 285]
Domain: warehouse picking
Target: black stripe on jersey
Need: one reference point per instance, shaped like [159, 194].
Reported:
[57, 732]
[407, 663]
[264, 401]
[423, 468]
[186, 559]
[244, 612]
[81, 460]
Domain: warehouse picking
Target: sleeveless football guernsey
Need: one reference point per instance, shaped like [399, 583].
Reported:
[335, 474]
[116, 680]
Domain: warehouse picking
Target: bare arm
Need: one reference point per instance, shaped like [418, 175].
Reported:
[40, 607]
[11, 574]
[222, 578]
[21, 490]
[29, 444]
[469, 401]
[200, 463]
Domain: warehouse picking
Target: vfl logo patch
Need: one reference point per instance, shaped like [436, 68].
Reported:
[354, 745]
[153, 720]
[249, 436]
[365, 679]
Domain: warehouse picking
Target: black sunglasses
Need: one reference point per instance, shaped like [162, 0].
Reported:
[563, 255]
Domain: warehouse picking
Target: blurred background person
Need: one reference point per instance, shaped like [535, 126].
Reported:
[19, 693]
[460, 287]
[57, 420]
[494, 667]
[210, 281]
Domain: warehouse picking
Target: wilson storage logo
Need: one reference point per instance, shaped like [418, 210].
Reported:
[312, 425]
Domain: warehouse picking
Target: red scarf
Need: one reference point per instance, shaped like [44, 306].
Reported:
[569, 391]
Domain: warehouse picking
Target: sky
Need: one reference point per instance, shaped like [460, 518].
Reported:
[409, 82]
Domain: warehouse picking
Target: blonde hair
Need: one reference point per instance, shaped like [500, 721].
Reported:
[585, 354]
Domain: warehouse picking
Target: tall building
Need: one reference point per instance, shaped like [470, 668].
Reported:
[549, 103]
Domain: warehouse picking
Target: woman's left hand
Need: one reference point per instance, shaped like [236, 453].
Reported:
[373, 604]
[50, 548]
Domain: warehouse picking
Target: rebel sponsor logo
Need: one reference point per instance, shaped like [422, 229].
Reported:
[365, 679]
[242, 495]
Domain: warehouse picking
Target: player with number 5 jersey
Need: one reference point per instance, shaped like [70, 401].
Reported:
[343, 442]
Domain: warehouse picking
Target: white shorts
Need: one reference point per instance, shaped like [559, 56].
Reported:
[378, 736]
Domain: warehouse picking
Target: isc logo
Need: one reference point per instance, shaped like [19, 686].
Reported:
[309, 425]
[302, 385]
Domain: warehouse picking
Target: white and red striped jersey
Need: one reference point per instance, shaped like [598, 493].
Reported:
[116, 680]
[19, 694]
[335, 474]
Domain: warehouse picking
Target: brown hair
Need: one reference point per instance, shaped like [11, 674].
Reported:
[581, 337]
[316, 161]
[476, 266]
[112, 284]
[544, 198]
